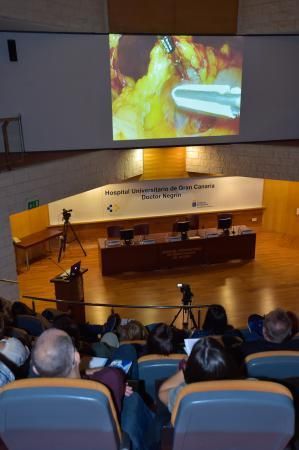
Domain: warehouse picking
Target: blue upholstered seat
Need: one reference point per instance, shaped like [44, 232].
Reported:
[276, 365]
[58, 414]
[153, 368]
[233, 415]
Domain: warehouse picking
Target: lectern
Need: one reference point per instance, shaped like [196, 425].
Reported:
[71, 288]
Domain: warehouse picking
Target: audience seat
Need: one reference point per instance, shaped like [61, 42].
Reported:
[56, 414]
[276, 365]
[225, 415]
[155, 368]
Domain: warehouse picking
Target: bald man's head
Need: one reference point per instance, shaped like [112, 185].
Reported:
[54, 355]
[277, 326]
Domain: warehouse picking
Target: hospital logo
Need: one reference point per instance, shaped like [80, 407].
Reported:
[112, 208]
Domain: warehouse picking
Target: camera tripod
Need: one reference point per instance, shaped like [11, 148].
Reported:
[66, 226]
[187, 313]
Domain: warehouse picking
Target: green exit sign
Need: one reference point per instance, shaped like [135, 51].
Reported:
[33, 204]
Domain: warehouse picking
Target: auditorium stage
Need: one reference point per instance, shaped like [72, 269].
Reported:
[268, 281]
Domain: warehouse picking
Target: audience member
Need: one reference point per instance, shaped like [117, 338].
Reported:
[208, 361]
[92, 332]
[216, 323]
[106, 346]
[66, 323]
[23, 318]
[13, 360]
[6, 312]
[294, 321]
[3, 326]
[20, 308]
[161, 340]
[256, 324]
[54, 355]
[132, 331]
[277, 332]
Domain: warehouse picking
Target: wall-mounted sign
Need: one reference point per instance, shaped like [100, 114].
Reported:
[162, 197]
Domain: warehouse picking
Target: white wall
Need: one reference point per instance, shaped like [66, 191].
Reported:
[61, 87]
[274, 161]
[160, 197]
[59, 15]
[264, 16]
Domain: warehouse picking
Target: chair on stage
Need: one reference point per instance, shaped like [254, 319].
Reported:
[153, 369]
[224, 221]
[194, 221]
[175, 227]
[276, 365]
[113, 231]
[239, 414]
[58, 413]
[141, 229]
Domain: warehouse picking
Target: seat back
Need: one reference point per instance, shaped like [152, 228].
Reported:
[56, 414]
[113, 231]
[153, 368]
[141, 229]
[229, 415]
[275, 365]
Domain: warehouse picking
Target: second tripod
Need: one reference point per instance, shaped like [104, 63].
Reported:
[185, 309]
[66, 214]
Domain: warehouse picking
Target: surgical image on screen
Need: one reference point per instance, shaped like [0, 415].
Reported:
[175, 86]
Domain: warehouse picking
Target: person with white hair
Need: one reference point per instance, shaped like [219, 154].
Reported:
[13, 357]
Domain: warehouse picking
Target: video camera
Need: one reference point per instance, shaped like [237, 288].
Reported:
[66, 214]
[187, 294]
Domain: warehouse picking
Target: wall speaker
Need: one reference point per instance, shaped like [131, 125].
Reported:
[12, 50]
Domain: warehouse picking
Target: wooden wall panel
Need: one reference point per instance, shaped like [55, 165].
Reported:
[161, 163]
[206, 17]
[141, 16]
[173, 16]
[281, 200]
[29, 221]
[88, 232]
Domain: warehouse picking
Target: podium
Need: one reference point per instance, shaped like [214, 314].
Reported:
[71, 289]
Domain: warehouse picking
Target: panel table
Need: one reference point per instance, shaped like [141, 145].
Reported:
[207, 246]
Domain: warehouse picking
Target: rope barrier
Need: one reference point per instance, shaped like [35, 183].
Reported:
[113, 305]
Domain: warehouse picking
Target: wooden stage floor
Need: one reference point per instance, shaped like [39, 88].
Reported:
[269, 281]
